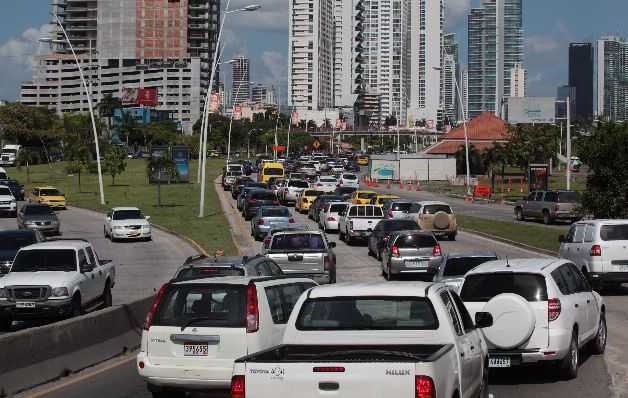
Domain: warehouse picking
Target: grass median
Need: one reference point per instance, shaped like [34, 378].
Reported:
[531, 235]
[179, 210]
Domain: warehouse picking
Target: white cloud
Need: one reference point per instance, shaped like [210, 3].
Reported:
[273, 16]
[275, 62]
[539, 46]
[456, 12]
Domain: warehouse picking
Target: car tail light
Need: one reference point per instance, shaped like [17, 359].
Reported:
[436, 252]
[424, 387]
[151, 312]
[395, 252]
[260, 222]
[386, 237]
[238, 387]
[390, 213]
[286, 190]
[553, 309]
[275, 202]
[421, 216]
[330, 218]
[251, 201]
[252, 309]
[326, 263]
[266, 242]
[557, 208]
[596, 251]
[291, 221]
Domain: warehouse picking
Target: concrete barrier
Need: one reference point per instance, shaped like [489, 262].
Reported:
[35, 356]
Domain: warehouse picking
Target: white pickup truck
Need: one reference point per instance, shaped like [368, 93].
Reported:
[54, 279]
[358, 221]
[367, 340]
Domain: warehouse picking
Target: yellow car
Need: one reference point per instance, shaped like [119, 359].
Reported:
[305, 199]
[380, 200]
[363, 160]
[48, 195]
[361, 197]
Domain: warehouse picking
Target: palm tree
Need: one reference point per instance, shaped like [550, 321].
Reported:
[26, 157]
[158, 165]
[107, 106]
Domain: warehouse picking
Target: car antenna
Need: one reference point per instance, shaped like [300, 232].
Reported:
[507, 263]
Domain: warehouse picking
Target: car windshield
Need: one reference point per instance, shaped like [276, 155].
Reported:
[337, 207]
[9, 151]
[298, 184]
[400, 225]
[346, 190]
[5, 191]
[415, 241]
[327, 179]
[366, 195]
[458, 266]
[234, 167]
[49, 192]
[611, 232]
[297, 242]
[38, 210]
[209, 272]
[45, 260]
[569, 197]
[366, 313]
[128, 215]
[273, 171]
[275, 212]
[433, 209]
[401, 206]
[256, 185]
[202, 305]
[15, 242]
[483, 287]
[234, 173]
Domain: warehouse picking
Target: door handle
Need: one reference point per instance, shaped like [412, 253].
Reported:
[588, 301]
[576, 305]
[462, 355]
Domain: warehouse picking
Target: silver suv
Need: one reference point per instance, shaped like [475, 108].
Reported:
[549, 206]
[290, 190]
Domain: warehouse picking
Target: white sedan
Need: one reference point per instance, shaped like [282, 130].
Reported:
[127, 223]
[324, 183]
[349, 180]
[328, 219]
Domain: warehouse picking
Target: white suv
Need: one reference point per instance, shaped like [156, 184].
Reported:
[543, 310]
[197, 328]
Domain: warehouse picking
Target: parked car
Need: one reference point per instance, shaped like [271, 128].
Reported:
[266, 217]
[373, 340]
[348, 180]
[324, 183]
[39, 216]
[306, 254]
[345, 192]
[17, 189]
[305, 199]
[382, 231]
[238, 184]
[330, 214]
[381, 199]
[598, 249]
[414, 253]
[436, 217]
[549, 206]
[319, 202]
[358, 221]
[48, 195]
[212, 267]
[455, 265]
[258, 198]
[544, 311]
[362, 197]
[8, 204]
[195, 329]
[13, 240]
[127, 223]
[397, 208]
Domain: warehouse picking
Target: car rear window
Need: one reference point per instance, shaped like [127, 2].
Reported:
[346, 190]
[209, 272]
[569, 197]
[275, 212]
[415, 240]
[202, 305]
[400, 225]
[313, 193]
[273, 171]
[349, 176]
[483, 287]
[328, 179]
[297, 242]
[367, 313]
[401, 206]
[256, 185]
[433, 209]
[263, 195]
[458, 266]
[16, 242]
[5, 191]
[298, 184]
[337, 208]
[614, 232]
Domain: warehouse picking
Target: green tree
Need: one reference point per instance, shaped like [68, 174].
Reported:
[159, 165]
[532, 143]
[128, 128]
[476, 164]
[79, 157]
[604, 152]
[26, 157]
[25, 125]
[114, 162]
[107, 106]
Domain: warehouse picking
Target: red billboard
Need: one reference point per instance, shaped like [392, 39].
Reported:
[147, 96]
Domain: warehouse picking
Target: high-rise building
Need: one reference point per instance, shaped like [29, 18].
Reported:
[241, 79]
[581, 77]
[261, 93]
[310, 54]
[168, 46]
[612, 77]
[518, 77]
[451, 68]
[495, 44]
[346, 45]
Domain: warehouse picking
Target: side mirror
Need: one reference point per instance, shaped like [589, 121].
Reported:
[147, 217]
[86, 267]
[332, 244]
[483, 320]
[561, 238]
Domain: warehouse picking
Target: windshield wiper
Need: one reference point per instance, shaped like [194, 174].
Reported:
[203, 318]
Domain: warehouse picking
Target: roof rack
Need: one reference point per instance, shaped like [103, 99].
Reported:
[66, 239]
[194, 258]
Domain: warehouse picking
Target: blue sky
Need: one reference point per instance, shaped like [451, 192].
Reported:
[549, 26]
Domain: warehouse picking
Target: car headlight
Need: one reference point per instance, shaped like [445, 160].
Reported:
[55, 222]
[13, 201]
[118, 227]
[3, 293]
[59, 292]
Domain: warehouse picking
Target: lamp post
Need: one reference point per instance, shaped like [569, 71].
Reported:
[201, 212]
[89, 102]
[248, 144]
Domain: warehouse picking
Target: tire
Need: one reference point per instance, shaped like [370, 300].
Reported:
[75, 308]
[519, 214]
[597, 346]
[569, 364]
[369, 252]
[378, 255]
[14, 214]
[5, 324]
[104, 231]
[107, 300]
[341, 236]
[389, 275]
[348, 239]
[547, 219]
[451, 237]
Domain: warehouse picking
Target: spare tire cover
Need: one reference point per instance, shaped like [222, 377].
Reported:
[513, 320]
[441, 220]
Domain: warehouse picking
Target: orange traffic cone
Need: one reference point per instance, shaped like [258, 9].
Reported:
[401, 185]
[521, 189]
[466, 198]
[418, 185]
[509, 184]
[472, 199]
[388, 184]
[376, 183]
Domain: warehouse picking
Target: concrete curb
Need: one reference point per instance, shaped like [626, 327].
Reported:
[35, 356]
[191, 241]
[510, 242]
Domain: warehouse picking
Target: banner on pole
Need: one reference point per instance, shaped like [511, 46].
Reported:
[237, 112]
[295, 118]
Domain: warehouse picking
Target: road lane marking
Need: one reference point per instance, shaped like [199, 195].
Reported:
[82, 377]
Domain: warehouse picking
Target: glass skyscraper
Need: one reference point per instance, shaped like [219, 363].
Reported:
[612, 78]
[581, 77]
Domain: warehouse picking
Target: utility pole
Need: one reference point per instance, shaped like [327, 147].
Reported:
[568, 173]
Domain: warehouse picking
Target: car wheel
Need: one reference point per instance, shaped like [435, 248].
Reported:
[369, 252]
[451, 237]
[5, 324]
[389, 275]
[547, 219]
[519, 214]
[597, 346]
[104, 231]
[341, 236]
[348, 239]
[14, 214]
[107, 300]
[75, 308]
[569, 364]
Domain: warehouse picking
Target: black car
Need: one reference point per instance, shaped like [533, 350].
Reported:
[17, 189]
[382, 231]
[345, 192]
[238, 184]
[13, 240]
[352, 166]
[319, 203]
[246, 190]
[257, 199]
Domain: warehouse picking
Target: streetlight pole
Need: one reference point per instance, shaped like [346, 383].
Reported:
[568, 171]
[248, 144]
[91, 108]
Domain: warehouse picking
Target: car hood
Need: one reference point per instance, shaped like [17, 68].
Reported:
[57, 198]
[129, 222]
[43, 278]
[5, 198]
[42, 217]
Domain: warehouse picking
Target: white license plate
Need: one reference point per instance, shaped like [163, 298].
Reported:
[623, 267]
[499, 362]
[195, 349]
[134, 233]
[415, 263]
[25, 304]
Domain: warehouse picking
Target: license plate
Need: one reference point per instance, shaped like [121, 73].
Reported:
[415, 263]
[134, 233]
[623, 267]
[195, 349]
[499, 362]
[25, 304]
